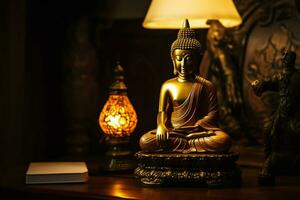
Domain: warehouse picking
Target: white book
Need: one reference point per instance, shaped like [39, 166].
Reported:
[56, 172]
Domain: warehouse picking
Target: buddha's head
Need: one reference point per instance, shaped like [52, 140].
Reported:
[185, 53]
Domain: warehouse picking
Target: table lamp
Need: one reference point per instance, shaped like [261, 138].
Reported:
[169, 14]
[118, 120]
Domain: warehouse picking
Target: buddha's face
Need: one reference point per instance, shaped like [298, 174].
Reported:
[185, 62]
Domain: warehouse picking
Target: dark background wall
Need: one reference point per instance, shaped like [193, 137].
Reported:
[12, 69]
[35, 37]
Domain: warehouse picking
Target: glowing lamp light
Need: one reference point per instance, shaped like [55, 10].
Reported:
[118, 120]
[169, 14]
[118, 117]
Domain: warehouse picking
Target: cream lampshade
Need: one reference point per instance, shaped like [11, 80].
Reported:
[169, 14]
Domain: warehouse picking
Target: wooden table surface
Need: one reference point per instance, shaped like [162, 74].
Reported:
[127, 187]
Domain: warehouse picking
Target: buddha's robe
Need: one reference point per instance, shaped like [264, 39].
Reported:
[199, 108]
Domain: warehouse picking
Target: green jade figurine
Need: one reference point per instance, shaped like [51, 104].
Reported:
[187, 120]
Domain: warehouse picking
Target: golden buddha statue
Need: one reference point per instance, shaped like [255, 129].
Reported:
[187, 120]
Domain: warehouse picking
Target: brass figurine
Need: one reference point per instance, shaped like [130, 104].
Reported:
[220, 68]
[282, 150]
[219, 44]
[188, 147]
[187, 120]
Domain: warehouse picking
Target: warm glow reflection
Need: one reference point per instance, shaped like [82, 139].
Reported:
[118, 117]
[119, 190]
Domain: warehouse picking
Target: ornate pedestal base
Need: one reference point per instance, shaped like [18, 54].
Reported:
[120, 157]
[211, 170]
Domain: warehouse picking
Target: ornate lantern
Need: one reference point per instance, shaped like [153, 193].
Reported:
[118, 120]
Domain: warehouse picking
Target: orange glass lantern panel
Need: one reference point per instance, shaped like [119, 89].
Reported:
[118, 117]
